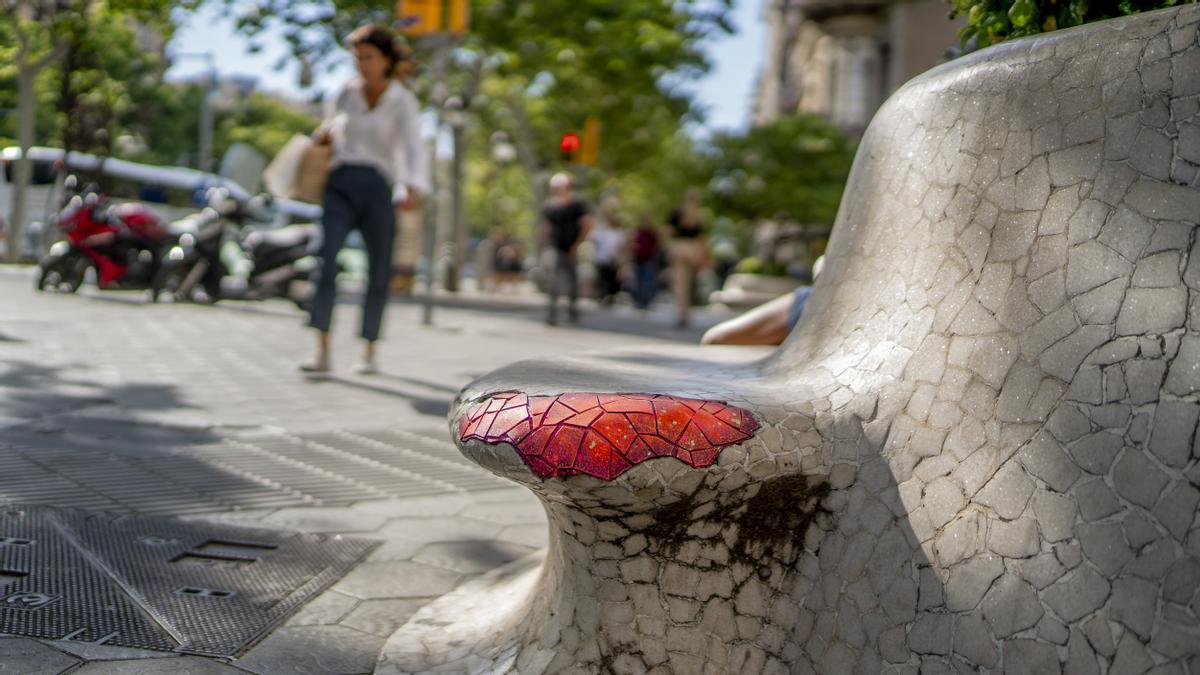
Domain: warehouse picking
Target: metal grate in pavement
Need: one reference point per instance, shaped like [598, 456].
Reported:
[156, 583]
[263, 470]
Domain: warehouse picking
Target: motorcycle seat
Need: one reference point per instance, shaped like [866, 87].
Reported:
[284, 237]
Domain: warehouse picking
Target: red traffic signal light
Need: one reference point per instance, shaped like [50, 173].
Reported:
[569, 145]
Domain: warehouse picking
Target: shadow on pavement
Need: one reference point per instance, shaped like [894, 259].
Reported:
[78, 444]
[424, 405]
[420, 383]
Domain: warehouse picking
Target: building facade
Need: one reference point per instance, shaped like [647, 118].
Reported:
[839, 59]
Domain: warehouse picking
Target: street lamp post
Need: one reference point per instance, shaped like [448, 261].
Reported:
[455, 118]
[440, 50]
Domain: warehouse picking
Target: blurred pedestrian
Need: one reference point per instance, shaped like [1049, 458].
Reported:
[566, 221]
[645, 250]
[689, 253]
[507, 260]
[378, 165]
[608, 237]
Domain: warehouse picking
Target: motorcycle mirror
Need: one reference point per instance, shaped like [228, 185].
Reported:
[261, 207]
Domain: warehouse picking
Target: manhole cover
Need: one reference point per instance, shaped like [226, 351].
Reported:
[157, 583]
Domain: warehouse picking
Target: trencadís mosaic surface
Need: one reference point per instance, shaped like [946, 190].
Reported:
[977, 451]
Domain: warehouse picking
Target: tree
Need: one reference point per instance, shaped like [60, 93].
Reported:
[30, 24]
[794, 168]
[538, 69]
[169, 118]
[110, 61]
[558, 62]
[992, 21]
[86, 42]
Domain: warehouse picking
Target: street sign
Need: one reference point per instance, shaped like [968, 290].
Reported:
[430, 17]
[419, 17]
[460, 16]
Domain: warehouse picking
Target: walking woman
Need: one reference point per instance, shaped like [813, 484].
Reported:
[689, 253]
[378, 165]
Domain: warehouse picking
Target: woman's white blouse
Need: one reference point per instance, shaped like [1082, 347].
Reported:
[386, 137]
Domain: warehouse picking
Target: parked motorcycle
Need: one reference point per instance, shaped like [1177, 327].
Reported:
[232, 251]
[123, 243]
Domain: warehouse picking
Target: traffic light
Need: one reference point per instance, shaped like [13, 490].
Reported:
[569, 146]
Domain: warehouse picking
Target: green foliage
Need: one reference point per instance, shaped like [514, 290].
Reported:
[992, 21]
[264, 122]
[617, 61]
[658, 186]
[561, 61]
[794, 169]
[753, 265]
[110, 76]
[536, 70]
[170, 122]
[117, 86]
[497, 197]
[100, 75]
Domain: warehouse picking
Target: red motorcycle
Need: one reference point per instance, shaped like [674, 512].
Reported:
[124, 243]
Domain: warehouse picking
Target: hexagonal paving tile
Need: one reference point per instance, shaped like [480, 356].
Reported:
[437, 529]
[30, 657]
[471, 557]
[386, 580]
[313, 649]
[383, 617]
[320, 519]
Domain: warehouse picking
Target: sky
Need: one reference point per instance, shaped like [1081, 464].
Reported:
[724, 92]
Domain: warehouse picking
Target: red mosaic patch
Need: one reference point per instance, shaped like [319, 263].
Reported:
[604, 435]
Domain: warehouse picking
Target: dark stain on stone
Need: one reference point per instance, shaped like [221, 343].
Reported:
[769, 525]
[775, 520]
[669, 530]
[611, 653]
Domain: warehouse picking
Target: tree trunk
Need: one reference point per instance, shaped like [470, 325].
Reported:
[26, 108]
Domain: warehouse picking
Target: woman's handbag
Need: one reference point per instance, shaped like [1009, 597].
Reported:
[312, 173]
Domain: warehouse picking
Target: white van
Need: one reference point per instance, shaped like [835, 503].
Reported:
[41, 204]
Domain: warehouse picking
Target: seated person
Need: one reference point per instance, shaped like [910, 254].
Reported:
[769, 323]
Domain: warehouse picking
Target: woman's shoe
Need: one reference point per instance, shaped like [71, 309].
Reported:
[318, 365]
[367, 366]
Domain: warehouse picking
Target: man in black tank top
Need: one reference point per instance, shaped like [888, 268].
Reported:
[566, 220]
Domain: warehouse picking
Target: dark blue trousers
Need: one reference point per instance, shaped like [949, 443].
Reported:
[356, 197]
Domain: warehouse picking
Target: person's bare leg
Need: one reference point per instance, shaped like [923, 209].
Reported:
[320, 362]
[766, 324]
[681, 289]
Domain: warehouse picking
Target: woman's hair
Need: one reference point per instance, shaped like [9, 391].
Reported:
[382, 39]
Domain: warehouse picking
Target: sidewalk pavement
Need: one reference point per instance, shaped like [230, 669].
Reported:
[108, 402]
